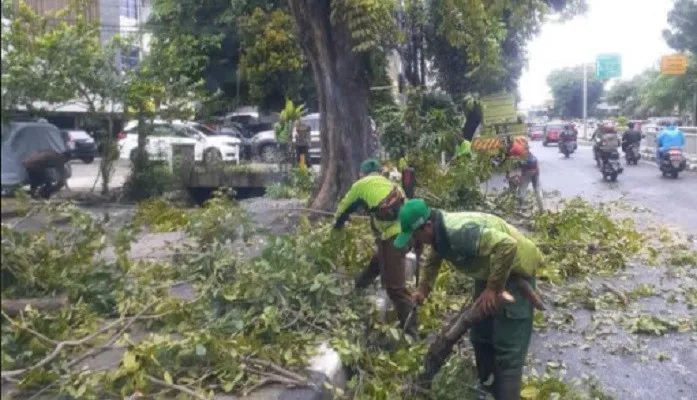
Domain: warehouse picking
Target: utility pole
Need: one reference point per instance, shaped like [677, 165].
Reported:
[585, 100]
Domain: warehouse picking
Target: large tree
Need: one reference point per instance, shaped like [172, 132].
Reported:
[682, 36]
[682, 19]
[566, 85]
[338, 35]
[247, 50]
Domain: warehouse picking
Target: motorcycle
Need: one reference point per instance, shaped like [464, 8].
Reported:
[673, 162]
[632, 154]
[567, 148]
[611, 167]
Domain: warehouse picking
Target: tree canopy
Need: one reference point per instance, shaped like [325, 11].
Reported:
[682, 19]
[566, 85]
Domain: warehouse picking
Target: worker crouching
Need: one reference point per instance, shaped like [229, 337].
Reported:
[489, 250]
[383, 199]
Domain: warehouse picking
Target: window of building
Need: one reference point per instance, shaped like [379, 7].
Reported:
[133, 57]
[129, 8]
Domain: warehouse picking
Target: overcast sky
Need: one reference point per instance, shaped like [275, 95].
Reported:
[631, 28]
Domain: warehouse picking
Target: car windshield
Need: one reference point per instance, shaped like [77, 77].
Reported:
[78, 135]
[313, 123]
[205, 129]
[556, 127]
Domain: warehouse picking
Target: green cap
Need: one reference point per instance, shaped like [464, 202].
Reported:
[413, 214]
[369, 166]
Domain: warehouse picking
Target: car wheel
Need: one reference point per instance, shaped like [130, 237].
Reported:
[212, 156]
[269, 153]
[674, 174]
[87, 160]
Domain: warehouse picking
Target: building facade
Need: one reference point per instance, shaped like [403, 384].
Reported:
[114, 17]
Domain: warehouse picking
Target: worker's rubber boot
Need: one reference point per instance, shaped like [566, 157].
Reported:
[507, 384]
[408, 319]
[484, 356]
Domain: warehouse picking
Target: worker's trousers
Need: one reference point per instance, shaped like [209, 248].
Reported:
[501, 341]
[527, 179]
[388, 263]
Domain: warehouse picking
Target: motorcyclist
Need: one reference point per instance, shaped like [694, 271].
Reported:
[569, 134]
[606, 141]
[671, 136]
[630, 137]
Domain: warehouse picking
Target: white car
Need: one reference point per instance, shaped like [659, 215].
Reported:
[208, 146]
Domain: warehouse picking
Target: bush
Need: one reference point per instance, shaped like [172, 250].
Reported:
[297, 184]
[160, 215]
[154, 180]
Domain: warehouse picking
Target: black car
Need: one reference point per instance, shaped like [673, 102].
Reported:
[82, 146]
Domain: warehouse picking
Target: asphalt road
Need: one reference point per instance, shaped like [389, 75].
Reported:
[624, 363]
[674, 200]
[85, 175]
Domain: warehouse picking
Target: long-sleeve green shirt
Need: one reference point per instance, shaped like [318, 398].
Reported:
[482, 246]
[367, 193]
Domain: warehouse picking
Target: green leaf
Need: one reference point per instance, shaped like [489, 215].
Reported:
[529, 393]
[168, 377]
[200, 350]
[130, 362]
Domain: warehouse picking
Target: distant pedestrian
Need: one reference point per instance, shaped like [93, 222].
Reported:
[45, 172]
[302, 142]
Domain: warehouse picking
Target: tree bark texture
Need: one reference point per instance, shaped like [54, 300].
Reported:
[343, 92]
[442, 347]
[452, 332]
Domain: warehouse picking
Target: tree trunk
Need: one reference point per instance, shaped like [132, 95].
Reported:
[107, 162]
[343, 92]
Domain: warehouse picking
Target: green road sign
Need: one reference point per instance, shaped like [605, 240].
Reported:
[608, 66]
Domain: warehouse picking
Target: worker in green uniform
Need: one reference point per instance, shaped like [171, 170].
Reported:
[488, 249]
[382, 198]
[464, 149]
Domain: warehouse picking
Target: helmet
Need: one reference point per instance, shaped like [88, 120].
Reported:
[608, 128]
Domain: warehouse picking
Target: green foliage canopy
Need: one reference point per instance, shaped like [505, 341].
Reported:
[566, 85]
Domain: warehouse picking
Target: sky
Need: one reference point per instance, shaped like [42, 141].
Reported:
[632, 28]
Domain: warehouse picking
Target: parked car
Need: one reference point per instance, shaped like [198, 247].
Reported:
[552, 132]
[536, 132]
[251, 120]
[21, 139]
[209, 146]
[82, 146]
[237, 130]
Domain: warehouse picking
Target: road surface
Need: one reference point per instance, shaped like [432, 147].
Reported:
[626, 365]
[85, 175]
[674, 200]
